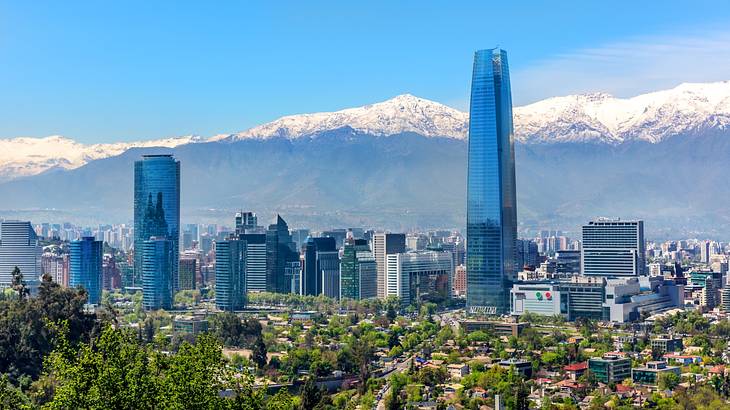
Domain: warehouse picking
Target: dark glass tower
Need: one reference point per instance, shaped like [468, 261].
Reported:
[491, 215]
[280, 250]
[85, 267]
[230, 275]
[350, 279]
[157, 209]
[319, 258]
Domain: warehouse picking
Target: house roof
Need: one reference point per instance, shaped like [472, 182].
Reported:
[575, 367]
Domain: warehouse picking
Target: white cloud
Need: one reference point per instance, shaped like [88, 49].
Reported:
[627, 68]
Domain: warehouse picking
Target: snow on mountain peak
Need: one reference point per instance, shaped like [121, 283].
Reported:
[689, 108]
[652, 117]
[24, 156]
[403, 113]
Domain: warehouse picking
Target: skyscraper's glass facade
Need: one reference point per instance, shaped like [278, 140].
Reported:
[318, 257]
[157, 208]
[157, 258]
[491, 221]
[353, 252]
[230, 275]
[85, 267]
[280, 250]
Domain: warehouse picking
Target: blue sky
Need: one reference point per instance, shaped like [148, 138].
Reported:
[112, 71]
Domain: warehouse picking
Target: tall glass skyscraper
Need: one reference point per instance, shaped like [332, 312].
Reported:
[157, 209]
[230, 275]
[280, 250]
[85, 267]
[491, 215]
[157, 260]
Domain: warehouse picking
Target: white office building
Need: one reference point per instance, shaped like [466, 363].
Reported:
[413, 276]
[19, 247]
[612, 247]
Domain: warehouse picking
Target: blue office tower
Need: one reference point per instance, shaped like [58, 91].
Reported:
[230, 275]
[85, 267]
[157, 260]
[157, 208]
[491, 215]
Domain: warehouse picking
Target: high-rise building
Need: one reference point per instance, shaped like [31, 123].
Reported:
[527, 253]
[230, 275]
[293, 273]
[56, 266]
[246, 222]
[157, 260]
[491, 215]
[157, 208]
[19, 247]
[85, 267]
[255, 244]
[358, 271]
[339, 234]
[612, 247]
[328, 266]
[299, 236]
[705, 251]
[187, 273]
[420, 275]
[111, 276]
[280, 250]
[384, 244]
[459, 281]
[319, 262]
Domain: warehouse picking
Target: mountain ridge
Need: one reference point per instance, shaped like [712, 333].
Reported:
[595, 118]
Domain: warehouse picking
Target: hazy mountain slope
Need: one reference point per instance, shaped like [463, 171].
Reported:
[689, 109]
[664, 161]
[31, 156]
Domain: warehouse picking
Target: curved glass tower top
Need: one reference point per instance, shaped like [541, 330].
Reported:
[156, 207]
[491, 216]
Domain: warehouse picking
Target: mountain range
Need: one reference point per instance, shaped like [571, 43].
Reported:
[400, 163]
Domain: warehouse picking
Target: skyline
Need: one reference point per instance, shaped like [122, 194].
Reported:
[399, 271]
[153, 71]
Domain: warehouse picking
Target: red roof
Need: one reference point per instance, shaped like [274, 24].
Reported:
[679, 356]
[719, 369]
[576, 367]
[570, 384]
[620, 388]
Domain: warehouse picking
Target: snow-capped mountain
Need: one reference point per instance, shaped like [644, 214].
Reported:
[26, 156]
[593, 118]
[690, 108]
[404, 113]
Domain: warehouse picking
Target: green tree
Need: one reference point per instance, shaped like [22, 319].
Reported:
[310, 395]
[258, 354]
[27, 334]
[19, 285]
[11, 397]
[667, 381]
[363, 353]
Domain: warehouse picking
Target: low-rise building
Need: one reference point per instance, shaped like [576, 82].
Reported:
[667, 344]
[575, 370]
[649, 374]
[498, 328]
[189, 324]
[457, 371]
[523, 367]
[611, 368]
